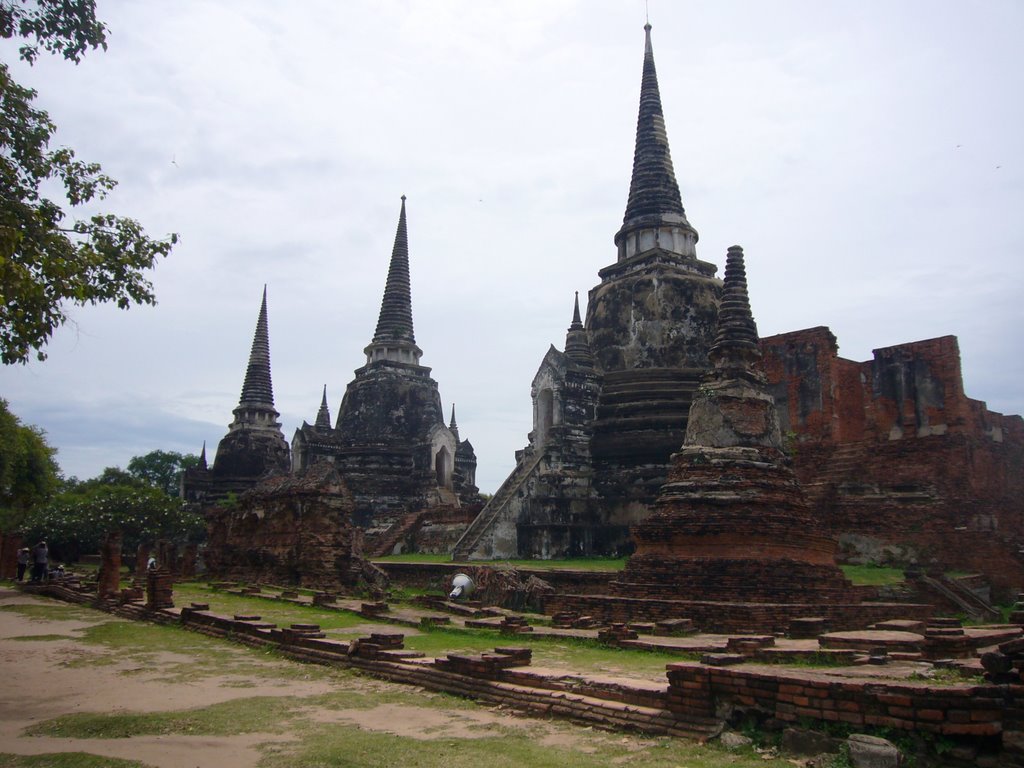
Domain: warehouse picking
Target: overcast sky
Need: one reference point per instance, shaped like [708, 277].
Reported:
[867, 156]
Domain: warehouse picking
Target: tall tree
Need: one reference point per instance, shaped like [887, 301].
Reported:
[162, 469]
[47, 260]
[29, 476]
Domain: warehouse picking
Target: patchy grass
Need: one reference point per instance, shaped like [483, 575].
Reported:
[199, 656]
[54, 611]
[573, 653]
[872, 575]
[260, 714]
[66, 760]
[275, 611]
[581, 748]
[41, 638]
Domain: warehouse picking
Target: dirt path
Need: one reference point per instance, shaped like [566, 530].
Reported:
[57, 674]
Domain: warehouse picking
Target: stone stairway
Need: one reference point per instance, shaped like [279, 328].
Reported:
[969, 602]
[476, 531]
[384, 543]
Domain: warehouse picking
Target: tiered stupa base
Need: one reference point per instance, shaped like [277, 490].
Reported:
[731, 525]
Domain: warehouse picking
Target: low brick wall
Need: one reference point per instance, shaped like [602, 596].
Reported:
[791, 696]
[733, 617]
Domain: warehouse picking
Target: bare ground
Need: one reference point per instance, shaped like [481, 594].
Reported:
[57, 674]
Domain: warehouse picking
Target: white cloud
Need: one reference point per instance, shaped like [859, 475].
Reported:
[866, 156]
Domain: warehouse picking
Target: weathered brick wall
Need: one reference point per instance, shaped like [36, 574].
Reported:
[10, 543]
[893, 450]
[792, 696]
[294, 529]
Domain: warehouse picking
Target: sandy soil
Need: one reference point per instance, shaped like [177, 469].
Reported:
[42, 679]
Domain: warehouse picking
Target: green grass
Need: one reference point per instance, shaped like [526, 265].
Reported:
[579, 655]
[571, 653]
[260, 714]
[872, 575]
[274, 611]
[53, 611]
[580, 748]
[66, 760]
[40, 638]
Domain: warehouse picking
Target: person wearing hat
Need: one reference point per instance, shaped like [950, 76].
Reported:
[40, 560]
[24, 558]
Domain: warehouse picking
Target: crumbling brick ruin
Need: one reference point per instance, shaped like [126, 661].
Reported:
[293, 529]
[897, 460]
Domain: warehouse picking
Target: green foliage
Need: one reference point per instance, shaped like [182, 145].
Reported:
[28, 473]
[162, 469]
[64, 27]
[45, 259]
[78, 519]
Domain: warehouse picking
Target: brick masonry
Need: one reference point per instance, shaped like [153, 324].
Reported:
[897, 460]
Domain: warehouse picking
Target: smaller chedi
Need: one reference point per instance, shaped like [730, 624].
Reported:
[732, 523]
[254, 445]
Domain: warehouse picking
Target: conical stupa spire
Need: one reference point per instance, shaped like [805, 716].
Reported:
[202, 457]
[255, 408]
[654, 210]
[577, 323]
[453, 425]
[653, 189]
[323, 416]
[577, 345]
[395, 322]
[394, 339]
[736, 344]
[257, 390]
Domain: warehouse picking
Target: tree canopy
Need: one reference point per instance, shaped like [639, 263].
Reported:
[78, 519]
[162, 469]
[28, 473]
[46, 259]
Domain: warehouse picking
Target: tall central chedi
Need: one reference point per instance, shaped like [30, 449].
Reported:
[609, 411]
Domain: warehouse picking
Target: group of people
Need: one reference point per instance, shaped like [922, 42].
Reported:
[39, 558]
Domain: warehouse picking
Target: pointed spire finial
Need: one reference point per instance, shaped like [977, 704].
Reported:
[654, 205]
[577, 323]
[736, 344]
[323, 416]
[394, 325]
[258, 390]
[453, 425]
[577, 345]
[202, 457]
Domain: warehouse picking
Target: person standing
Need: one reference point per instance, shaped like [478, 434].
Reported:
[24, 558]
[40, 560]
